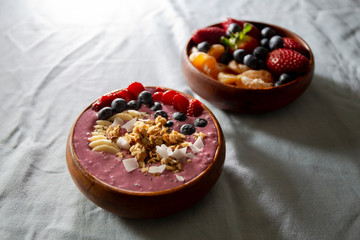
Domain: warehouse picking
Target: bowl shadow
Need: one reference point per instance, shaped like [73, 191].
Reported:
[325, 117]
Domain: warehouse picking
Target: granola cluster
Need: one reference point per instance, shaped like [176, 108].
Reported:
[145, 136]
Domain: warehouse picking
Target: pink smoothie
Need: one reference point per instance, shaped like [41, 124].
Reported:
[110, 169]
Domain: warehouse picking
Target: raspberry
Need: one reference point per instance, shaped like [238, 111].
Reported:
[195, 108]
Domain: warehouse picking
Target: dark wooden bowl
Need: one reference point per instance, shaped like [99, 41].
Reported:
[133, 204]
[246, 100]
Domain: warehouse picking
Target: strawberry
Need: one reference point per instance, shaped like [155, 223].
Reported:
[254, 32]
[180, 103]
[211, 34]
[135, 88]
[157, 96]
[284, 60]
[290, 43]
[248, 44]
[240, 40]
[124, 94]
[167, 97]
[195, 108]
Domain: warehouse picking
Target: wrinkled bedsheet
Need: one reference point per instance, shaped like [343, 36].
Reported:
[288, 174]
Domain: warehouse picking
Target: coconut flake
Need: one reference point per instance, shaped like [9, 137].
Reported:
[199, 143]
[129, 125]
[179, 153]
[190, 155]
[130, 164]
[157, 169]
[117, 121]
[180, 178]
[162, 151]
[194, 148]
[122, 143]
[169, 151]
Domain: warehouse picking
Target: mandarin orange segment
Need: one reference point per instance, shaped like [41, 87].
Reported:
[227, 78]
[205, 63]
[259, 74]
[237, 67]
[216, 50]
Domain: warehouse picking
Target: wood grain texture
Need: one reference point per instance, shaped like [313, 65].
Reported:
[246, 100]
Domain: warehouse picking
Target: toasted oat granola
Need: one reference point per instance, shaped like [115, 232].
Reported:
[145, 136]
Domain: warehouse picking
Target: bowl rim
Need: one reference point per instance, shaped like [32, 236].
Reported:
[311, 58]
[108, 187]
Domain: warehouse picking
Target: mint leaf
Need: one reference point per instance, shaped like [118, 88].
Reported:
[247, 28]
[225, 41]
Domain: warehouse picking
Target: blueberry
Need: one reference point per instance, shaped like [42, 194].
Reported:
[203, 46]
[260, 52]
[145, 97]
[251, 61]
[284, 78]
[104, 113]
[156, 106]
[264, 42]
[133, 104]
[239, 55]
[179, 116]
[276, 42]
[225, 58]
[234, 28]
[200, 122]
[227, 34]
[261, 64]
[169, 124]
[160, 113]
[187, 129]
[267, 32]
[118, 105]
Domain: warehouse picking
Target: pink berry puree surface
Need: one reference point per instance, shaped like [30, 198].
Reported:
[109, 168]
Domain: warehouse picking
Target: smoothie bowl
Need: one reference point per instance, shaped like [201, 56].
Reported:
[247, 66]
[145, 152]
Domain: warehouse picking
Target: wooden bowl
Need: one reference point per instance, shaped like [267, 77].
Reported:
[246, 100]
[134, 204]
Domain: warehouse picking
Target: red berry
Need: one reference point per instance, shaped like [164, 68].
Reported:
[254, 32]
[103, 101]
[180, 103]
[159, 89]
[287, 61]
[167, 97]
[157, 96]
[125, 94]
[290, 43]
[248, 44]
[195, 108]
[135, 88]
[211, 34]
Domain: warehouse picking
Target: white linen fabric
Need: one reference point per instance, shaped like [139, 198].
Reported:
[289, 174]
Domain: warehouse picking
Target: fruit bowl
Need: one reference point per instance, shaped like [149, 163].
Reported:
[244, 99]
[107, 181]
